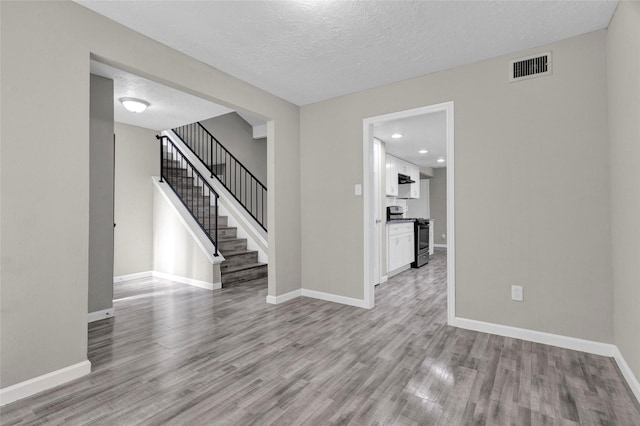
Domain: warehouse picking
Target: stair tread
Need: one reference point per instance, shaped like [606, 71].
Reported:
[230, 253]
[244, 267]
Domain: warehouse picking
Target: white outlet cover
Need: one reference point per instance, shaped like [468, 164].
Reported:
[517, 293]
[358, 189]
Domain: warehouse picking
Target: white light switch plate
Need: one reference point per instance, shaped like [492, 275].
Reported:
[358, 189]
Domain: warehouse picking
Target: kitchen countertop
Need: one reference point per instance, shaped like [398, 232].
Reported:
[391, 222]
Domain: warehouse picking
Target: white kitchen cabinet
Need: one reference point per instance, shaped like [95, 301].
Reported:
[415, 187]
[392, 175]
[409, 190]
[400, 245]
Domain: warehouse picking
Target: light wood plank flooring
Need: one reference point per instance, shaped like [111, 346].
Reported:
[176, 354]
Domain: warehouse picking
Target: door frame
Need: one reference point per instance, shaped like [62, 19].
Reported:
[368, 199]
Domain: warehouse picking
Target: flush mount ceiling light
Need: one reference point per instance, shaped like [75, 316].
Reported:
[441, 160]
[134, 105]
[396, 136]
[423, 151]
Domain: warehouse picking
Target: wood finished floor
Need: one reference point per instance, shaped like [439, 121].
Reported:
[180, 355]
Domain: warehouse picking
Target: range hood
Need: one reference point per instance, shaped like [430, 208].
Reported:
[404, 179]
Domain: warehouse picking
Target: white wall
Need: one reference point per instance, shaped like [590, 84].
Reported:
[46, 48]
[530, 185]
[175, 251]
[137, 159]
[623, 78]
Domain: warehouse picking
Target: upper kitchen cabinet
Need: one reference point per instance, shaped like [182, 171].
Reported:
[408, 190]
[392, 175]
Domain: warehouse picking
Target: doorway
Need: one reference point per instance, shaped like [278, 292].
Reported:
[374, 234]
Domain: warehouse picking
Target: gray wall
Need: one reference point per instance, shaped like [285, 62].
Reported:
[44, 264]
[438, 203]
[530, 184]
[137, 159]
[237, 136]
[623, 78]
[101, 194]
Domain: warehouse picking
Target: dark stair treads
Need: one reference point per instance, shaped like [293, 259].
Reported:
[244, 273]
[236, 259]
[231, 244]
[225, 232]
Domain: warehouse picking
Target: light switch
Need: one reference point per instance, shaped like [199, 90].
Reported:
[358, 189]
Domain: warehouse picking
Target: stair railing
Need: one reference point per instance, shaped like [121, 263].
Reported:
[192, 189]
[227, 169]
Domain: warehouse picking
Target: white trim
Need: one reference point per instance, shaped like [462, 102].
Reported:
[100, 315]
[399, 270]
[627, 373]
[589, 346]
[129, 277]
[360, 303]
[440, 245]
[276, 300]
[42, 383]
[384, 279]
[367, 180]
[188, 221]
[190, 281]
[177, 278]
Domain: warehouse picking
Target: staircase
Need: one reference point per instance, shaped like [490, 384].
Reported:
[241, 264]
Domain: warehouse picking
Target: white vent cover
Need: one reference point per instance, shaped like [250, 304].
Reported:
[530, 67]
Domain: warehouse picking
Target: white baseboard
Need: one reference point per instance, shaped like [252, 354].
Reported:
[41, 383]
[183, 280]
[627, 373]
[275, 300]
[130, 277]
[190, 281]
[399, 270]
[589, 346]
[334, 298]
[100, 315]
[384, 279]
[440, 245]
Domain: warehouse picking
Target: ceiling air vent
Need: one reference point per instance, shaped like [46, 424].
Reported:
[530, 67]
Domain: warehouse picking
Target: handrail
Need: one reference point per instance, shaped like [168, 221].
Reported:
[227, 169]
[189, 185]
[230, 154]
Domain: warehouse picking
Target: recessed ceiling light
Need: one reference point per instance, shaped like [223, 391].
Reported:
[423, 151]
[440, 160]
[396, 135]
[134, 105]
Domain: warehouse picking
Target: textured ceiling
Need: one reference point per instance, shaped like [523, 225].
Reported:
[427, 131]
[308, 51]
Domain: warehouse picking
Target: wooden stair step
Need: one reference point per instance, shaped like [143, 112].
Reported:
[244, 273]
[234, 259]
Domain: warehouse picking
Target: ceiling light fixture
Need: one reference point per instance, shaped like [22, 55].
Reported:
[423, 151]
[396, 136]
[440, 160]
[134, 105]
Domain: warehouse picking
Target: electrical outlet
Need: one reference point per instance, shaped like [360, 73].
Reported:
[517, 293]
[358, 189]
[444, 236]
